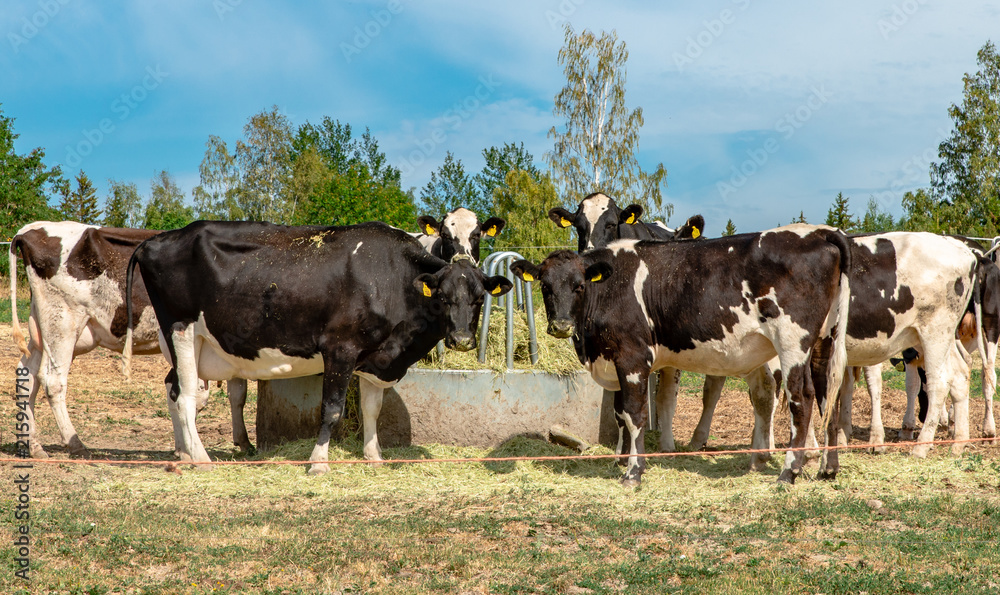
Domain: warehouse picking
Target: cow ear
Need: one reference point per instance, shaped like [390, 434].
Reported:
[692, 229]
[631, 215]
[428, 225]
[426, 284]
[497, 285]
[492, 227]
[561, 217]
[525, 271]
[598, 272]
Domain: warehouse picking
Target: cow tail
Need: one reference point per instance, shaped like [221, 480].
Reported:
[17, 334]
[838, 357]
[127, 350]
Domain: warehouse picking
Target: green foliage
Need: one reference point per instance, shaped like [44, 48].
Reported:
[499, 163]
[840, 216]
[801, 218]
[964, 196]
[524, 202]
[596, 150]
[968, 175]
[449, 188]
[80, 205]
[217, 197]
[875, 219]
[123, 207]
[23, 182]
[341, 180]
[730, 228]
[166, 208]
[265, 165]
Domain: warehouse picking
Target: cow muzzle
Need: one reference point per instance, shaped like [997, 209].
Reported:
[463, 341]
[561, 329]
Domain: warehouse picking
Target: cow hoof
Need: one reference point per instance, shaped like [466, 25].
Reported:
[957, 449]
[758, 462]
[787, 476]
[37, 452]
[812, 455]
[80, 452]
[827, 474]
[319, 468]
[621, 461]
[877, 450]
[906, 434]
[631, 484]
[920, 451]
[247, 449]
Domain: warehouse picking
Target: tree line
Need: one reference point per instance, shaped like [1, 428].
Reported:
[326, 173]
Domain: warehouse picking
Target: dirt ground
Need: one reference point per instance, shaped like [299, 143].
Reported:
[120, 420]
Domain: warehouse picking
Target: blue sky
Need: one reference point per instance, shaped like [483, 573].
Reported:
[758, 110]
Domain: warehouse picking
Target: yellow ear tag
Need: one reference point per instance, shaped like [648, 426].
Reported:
[430, 230]
[901, 367]
[527, 277]
[595, 278]
[630, 220]
[695, 233]
[427, 290]
[565, 222]
[496, 290]
[492, 231]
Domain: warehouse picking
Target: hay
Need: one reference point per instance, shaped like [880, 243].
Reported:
[555, 356]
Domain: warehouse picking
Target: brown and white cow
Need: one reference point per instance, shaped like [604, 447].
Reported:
[722, 307]
[76, 273]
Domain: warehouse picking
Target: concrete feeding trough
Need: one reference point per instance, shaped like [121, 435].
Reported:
[458, 407]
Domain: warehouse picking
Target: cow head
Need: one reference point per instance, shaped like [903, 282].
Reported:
[597, 220]
[692, 229]
[455, 297]
[460, 232]
[565, 277]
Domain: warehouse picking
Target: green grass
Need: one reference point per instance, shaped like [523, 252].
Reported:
[23, 310]
[698, 525]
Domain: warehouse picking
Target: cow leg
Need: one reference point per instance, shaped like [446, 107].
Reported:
[913, 388]
[800, 409]
[371, 406]
[960, 376]
[236, 389]
[620, 449]
[666, 405]
[633, 381]
[31, 364]
[711, 393]
[846, 398]
[336, 377]
[936, 365]
[761, 383]
[54, 376]
[873, 380]
[184, 395]
[989, 389]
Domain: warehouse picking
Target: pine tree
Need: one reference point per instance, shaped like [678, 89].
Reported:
[840, 216]
[123, 207]
[730, 229]
[449, 188]
[80, 205]
[801, 218]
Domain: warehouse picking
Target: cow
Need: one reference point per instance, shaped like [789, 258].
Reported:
[599, 220]
[76, 273]
[459, 232]
[721, 307]
[263, 301]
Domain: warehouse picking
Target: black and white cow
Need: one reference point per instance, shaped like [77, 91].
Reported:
[459, 232]
[722, 307]
[910, 290]
[76, 273]
[599, 221]
[261, 301]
